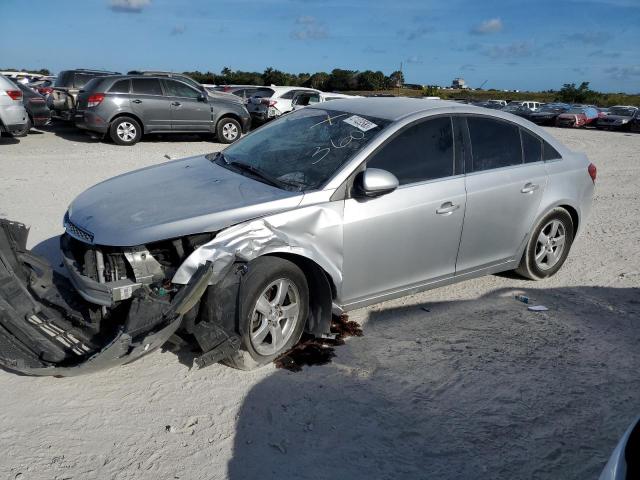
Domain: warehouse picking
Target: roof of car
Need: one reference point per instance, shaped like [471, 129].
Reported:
[388, 108]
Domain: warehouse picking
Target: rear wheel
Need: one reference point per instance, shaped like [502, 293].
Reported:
[275, 308]
[228, 130]
[125, 131]
[548, 246]
[24, 131]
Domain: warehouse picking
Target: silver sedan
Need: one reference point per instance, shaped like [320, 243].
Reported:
[327, 209]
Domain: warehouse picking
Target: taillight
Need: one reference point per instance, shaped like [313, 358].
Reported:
[95, 100]
[268, 101]
[45, 90]
[593, 172]
[15, 94]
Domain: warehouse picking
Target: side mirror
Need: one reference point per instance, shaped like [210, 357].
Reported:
[202, 98]
[374, 182]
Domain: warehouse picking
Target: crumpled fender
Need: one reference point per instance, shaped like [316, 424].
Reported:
[313, 232]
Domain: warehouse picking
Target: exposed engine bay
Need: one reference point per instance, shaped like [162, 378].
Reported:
[116, 306]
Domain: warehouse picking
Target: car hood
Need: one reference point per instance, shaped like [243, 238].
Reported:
[182, 197]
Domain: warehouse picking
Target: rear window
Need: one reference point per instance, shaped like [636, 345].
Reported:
[146, 86]
[81, 79]
[121, 86]
[263, 93]
[494, 143]
[64, 79]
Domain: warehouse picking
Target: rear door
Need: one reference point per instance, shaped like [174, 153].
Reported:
[150, 104]
[503, 193]
[190, 110]
[409, 237]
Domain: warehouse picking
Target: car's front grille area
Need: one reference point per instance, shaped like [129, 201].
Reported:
[77, 232]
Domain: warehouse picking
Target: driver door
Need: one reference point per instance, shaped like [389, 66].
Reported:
[408, 238]
[189, 112]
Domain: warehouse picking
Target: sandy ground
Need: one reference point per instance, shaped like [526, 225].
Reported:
[460, 382]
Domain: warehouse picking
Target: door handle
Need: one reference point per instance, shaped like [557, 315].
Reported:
[529, 187]
[447, 208]
[136, 101]
[176, 104]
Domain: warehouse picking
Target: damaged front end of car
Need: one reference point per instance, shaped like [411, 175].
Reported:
[48, 328]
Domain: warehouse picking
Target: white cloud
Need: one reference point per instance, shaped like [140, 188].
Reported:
[308, 28]
[128, 6]
[493, 25]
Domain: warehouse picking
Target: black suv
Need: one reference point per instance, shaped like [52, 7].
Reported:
[62, 101]
[127, 106]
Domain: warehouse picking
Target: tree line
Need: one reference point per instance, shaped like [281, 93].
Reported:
[337, 80]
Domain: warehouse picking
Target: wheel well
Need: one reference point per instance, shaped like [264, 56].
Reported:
[229, 115]
[125, 114]
[574, 216]
[322, 291]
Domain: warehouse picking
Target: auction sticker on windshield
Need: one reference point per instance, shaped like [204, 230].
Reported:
[359, 122]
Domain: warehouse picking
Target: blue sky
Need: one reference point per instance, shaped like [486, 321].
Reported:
[512, 44]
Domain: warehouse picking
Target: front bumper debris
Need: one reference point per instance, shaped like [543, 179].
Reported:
[46, 328]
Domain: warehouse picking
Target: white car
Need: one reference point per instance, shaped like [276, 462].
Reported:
[531, 105]
[13, 116]
[305, 99]
[270, 102]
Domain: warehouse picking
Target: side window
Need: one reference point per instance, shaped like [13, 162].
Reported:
[494, 143]
[549, 153]
[531, 147]
[121, 86]
[146, 86]
[179, 89]
[289, 95]
[421, 152]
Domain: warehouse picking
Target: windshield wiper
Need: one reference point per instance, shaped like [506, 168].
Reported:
[256, 172]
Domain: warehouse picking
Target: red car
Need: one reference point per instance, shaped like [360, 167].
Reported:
[577, 117]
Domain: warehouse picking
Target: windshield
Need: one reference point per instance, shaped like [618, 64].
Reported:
[303, 149]
[622, 111]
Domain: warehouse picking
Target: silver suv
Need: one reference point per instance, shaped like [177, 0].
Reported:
[13, 116]
[127, 106]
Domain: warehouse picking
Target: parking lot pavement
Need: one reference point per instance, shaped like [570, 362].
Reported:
[458, 382]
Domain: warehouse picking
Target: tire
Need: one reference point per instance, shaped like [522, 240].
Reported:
[266, 278]
[551, 254]
[228, 130]
[25, 131]
[125, 131]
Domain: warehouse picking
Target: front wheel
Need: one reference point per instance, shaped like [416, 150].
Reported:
[274, 312]
[228, 130]
[125, 131]
[548, 246]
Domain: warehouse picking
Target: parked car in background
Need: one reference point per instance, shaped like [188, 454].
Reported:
[125, 107]
[268, 103]
[305, 99]
[499, 103]
[548, 113]
[577, 117]
[43, 87]
[37, 110]
[330, 208]
[518, 109]
[243, 91]
[618, 118]
[491, 105]
[529, 104]
[62, 99]
[13, 116]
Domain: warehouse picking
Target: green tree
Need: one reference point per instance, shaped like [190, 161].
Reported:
[342, 80]
[396, 79]
[317, 80]
[431, 91]
[569, 93]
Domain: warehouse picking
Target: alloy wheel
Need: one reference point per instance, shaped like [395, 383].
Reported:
[550, 245]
